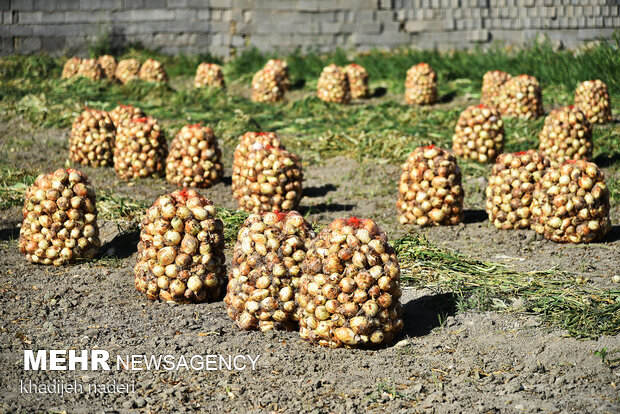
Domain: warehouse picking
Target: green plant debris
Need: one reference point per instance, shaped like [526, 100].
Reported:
[387, 391]
[581, 310]
[602, 353]
[114, 207]
[379, 128]
[13, 185]
[233, 220]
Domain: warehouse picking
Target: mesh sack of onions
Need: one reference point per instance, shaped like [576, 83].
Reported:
[479, 134]
[280, 67]
[421, 85]
[571, 203]
[266, 177]
[592, 97]
[349, 294]
[140, 148]
[521, 97]
[492, 83]
[108, 64]
[181, 250]
[209, 74]
[127, 70]
[267, 86]
[90, 68]
[153, 71]
[59, 219]
[511, 188]
[91, 141]
[266, 269]
[566, 135]
[430, 191]
[194, 159]
[333, 85]
[358, 81]
[70, 68]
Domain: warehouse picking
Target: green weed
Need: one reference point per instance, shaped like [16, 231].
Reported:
[581, 310]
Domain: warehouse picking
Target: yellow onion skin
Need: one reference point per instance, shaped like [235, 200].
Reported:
[267, 86]
[333, 85]
[592, 97]
[492, 83]
[181, 250]
[153, 71]
[266, 269]
[70, 68]
[127, 70]
[108, 64]
[265, 177]
[209, 74]
[571, 203]
[123, 112]
[511, 187]
[479, 134]
[194, 159]
[358, 81]
[280, 67]
[59, 219]
[251, 139]
[521, 97]
[140, 149]
[91, 141]
[430, 191]
[90, 68]
[566, 135]
[421, 85]
[349, 293]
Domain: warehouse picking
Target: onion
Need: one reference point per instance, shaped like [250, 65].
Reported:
[266, 248]
[343, 305]
[170, 251]
[592, 97]
[257, 162]
[577, 210]
[430, 191]
[520, 97]
[333, 85]
[421, 85]
[59, 219]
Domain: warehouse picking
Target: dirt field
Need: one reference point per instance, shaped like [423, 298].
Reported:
[444, 361]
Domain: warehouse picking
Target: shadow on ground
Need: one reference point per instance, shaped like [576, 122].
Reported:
[9, 234]
[447, 98]
[424, 314]
[613, 235]
[298, 84]
[319, 191]
[379, 92]
[325, 208]
[607, 160]
[475, 216]
[122, 246]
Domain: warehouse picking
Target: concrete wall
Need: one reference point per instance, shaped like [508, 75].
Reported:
[222, 27]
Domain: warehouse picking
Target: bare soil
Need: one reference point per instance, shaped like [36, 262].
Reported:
[444, 361]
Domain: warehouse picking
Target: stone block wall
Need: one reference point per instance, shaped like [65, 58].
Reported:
[224, 27]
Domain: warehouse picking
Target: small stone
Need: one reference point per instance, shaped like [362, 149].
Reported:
[514, 387]
[401, 344]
